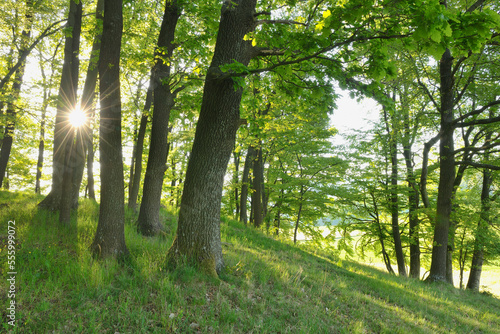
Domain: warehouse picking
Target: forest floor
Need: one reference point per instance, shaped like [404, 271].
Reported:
[268, 286]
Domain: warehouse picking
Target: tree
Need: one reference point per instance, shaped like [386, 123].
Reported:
[65, 104]
[163, 100]
[109, 240]
[213, 143]
[15, 91]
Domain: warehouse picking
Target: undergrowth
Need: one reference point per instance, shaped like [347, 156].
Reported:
[268, 286]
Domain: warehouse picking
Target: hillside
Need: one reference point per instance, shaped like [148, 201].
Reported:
[268, 286]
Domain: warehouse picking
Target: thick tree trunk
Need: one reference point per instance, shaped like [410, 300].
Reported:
[245, 181]
[69, 190]
[198, 233]
[446, 172]
[66, 101]
[109, 240]
[148, 222]
[83, 134]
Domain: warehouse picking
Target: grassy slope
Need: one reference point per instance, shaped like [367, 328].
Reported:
[268, 287]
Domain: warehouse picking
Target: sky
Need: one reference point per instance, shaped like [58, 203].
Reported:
[351, 115]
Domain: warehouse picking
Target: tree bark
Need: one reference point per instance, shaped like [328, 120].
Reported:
[198, 233]
[135, 181]
[236, 180]
[65, 102]
[15, 93]
[413, 199]
[148, 223]
[250, 156]
[446, 172]
[482, 226]
[394, 205]
[257, 193]
[68, 189]
[83, 134]
[109, 240]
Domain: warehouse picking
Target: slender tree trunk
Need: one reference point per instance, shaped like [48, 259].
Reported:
[83, 134]
[90, 167]
[299, 213]
[425, 170]
[413, 199]
[258, 182]
[109, 240]
[482, 227]
[394, 205]
[15, 93]
[236, 180]
[446, 172]
[250, 156]
[135, 181]
[148, 222]
[41, 148]
[387, 259]
[198, 233]
[65, 103]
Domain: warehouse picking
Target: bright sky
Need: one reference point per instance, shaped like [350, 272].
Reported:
[353, 115]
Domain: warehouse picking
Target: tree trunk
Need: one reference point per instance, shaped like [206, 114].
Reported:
[198, 233]
[387, 259]
[236, 180]
[68, 189]
[446, 172]
[148, 223]
[299, 213]
[250, 156]
[413, 197]
[482, 227]
[83, 134]
[394, 205]
[109, 240]
[257, 193]
[90, 166]
[425, 170]
[15, 93]
[65, 103]
[135, 181]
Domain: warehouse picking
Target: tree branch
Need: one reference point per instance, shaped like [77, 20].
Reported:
[478, 165]
[24, 55]
[458, 122]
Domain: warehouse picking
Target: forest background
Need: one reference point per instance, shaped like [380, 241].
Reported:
[225, 108]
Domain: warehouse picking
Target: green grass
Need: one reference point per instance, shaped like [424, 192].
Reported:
[268, 286]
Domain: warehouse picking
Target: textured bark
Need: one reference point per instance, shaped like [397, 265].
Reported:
[482, 227]
[250, 156]
[148, 222]
[198, 233]
[446, 172]
[66, 101]
[109, 240]
[68, 189]
[83, 134]
[15, 93]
